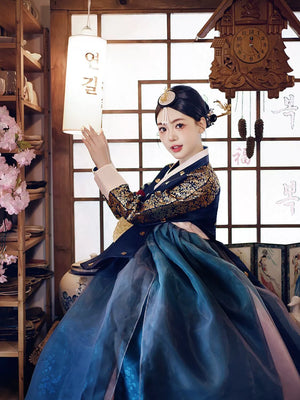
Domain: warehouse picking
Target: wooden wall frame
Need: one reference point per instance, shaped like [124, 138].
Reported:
[61, 153]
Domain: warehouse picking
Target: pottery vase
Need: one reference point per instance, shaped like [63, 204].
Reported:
[73, 284]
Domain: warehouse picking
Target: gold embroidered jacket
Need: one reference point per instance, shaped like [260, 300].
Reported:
[197, 189]
[190, 195]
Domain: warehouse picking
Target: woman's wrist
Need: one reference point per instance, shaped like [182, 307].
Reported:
[108, 178]
[101, 164]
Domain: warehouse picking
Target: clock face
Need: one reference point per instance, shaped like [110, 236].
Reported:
[250, 45]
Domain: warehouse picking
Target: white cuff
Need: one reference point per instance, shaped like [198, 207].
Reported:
[108, 178]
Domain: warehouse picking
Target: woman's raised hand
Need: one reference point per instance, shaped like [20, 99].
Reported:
[97, 146]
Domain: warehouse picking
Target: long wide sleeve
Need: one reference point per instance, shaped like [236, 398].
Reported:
[195, 190]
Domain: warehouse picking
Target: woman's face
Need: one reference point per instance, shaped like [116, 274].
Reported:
[181, 135]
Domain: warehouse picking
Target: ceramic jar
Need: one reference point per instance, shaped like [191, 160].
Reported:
[73, 284]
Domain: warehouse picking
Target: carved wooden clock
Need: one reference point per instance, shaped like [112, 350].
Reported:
[249, 54]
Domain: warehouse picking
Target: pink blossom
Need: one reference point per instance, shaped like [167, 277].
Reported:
[10, 259]
[13, 194]
[10, 131]
[25, 157]
[3, 127]
[2, 269]
[5, 259]
[8, 140]
[6, 225]
[9, 121]
[3, 278]
[8, 177]
[3, 111]
[2, 162]
[16, 200]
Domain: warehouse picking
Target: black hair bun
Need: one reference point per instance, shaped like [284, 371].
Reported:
[212, 118]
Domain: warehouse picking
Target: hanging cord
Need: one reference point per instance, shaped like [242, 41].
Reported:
[250, 109]
[88, 17]
[237, 101]
[250, 143]
[87, 26]
[259, 127]
[242, 126]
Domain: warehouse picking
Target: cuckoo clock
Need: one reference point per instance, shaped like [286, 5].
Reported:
[249, 54]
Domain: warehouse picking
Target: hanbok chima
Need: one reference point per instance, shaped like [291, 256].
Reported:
[172, 314]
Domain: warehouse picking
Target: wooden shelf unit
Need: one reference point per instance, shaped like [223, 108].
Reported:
[10, 101]
[8, 52]
[9, 349]
[9, 13]
[17, 21]
[13, 247]
[12, 300]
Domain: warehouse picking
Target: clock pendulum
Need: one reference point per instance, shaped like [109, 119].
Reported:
[242, 125]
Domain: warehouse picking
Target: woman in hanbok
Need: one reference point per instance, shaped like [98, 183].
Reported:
[171, 314]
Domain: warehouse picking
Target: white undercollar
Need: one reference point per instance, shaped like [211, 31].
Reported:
[198, 156]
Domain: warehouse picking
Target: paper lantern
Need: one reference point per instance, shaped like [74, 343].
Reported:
[84, 83]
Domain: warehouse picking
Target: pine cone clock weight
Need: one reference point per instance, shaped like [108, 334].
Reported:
[258, 129]
[250, 144]
[242, 128]
[250, 141]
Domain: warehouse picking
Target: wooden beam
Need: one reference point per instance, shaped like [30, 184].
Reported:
[144, 5]
[137, 5]
[61, 153]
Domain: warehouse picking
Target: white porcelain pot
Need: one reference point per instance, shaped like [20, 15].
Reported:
[72, 284]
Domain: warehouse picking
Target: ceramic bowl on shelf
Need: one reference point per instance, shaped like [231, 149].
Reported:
[36, 56]
[12, 236]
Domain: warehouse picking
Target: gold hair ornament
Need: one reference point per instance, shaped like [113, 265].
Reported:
[225, 106]
[167, 97]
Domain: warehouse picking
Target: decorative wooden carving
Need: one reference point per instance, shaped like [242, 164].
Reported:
[249, 54]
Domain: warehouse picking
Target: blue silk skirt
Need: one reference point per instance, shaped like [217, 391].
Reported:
[176, 322]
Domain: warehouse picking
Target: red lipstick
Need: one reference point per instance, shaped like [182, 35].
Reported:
[175, 149]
